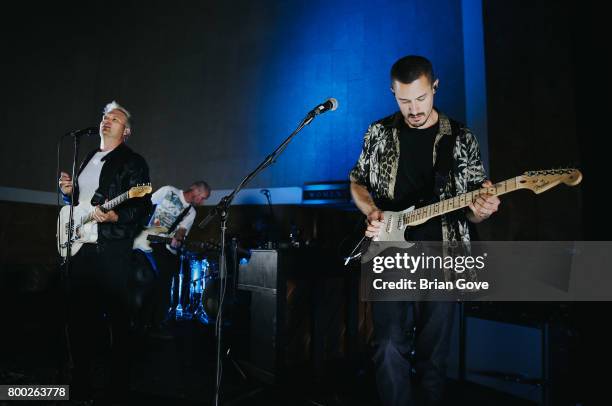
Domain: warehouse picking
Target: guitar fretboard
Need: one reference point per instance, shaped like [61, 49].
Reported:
[458, 202]
[195, 244]
[111, 204]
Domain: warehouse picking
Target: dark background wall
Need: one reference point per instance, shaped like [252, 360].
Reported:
[548, 81]
[215, 86]
[532, 94]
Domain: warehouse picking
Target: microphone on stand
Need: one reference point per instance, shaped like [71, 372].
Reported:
[268, 196]
[266, 193]
[329, 105]
[84, 132]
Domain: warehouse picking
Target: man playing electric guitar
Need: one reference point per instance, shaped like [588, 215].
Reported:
[99, 270]
[173, 216]
[413, 156]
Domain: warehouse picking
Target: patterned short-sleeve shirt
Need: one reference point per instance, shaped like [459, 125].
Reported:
[377, 166]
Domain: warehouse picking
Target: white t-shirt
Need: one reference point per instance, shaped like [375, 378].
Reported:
[89, 179]
[170, 203]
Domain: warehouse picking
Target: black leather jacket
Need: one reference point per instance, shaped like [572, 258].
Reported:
[123, 169]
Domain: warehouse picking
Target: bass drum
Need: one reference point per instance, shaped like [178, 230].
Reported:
[210, 299]
[200, 290]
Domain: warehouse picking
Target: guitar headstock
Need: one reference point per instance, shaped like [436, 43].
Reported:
[541, 181]
[140, 190]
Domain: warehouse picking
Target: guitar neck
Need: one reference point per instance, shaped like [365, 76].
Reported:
[159, 238]
[192, 244]
[442, 207]
[111, 204]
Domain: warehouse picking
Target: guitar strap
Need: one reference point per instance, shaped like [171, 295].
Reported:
[443, 167]
[178, 219]
[444, 157]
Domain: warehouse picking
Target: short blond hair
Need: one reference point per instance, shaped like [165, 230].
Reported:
[116, 106]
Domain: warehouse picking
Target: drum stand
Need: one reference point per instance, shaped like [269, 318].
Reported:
[200, 312]
[176, 288]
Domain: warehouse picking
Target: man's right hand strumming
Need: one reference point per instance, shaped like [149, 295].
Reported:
[65, 183]
[365, 203]
[375, 222]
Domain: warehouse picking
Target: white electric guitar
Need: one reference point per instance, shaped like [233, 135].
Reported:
[159, 235]
[395, 223]
[143, 242]
[85, 229]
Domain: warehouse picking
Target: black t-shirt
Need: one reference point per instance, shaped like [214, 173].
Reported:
[415, 182]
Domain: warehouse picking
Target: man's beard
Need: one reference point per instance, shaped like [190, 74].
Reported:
[418, 124]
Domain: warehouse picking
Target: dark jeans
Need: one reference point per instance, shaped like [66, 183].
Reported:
[167, 266]
[411, 349]
[97, 293]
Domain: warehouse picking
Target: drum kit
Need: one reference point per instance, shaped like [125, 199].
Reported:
[194, 288]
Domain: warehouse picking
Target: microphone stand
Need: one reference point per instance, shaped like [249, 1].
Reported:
[66, 264]
[221, 210]
[273, 232]
[266, 193]
[76, 135]
[75, 185]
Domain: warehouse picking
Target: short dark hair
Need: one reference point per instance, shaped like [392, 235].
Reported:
[200, 184]
[410, 68]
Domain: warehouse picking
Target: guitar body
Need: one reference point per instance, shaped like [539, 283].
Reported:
[391, 235]
[141, 242]
[393, 229]
[85, 228]
[85, 233]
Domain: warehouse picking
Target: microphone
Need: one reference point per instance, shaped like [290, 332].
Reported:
[330, 104]
[84, 131]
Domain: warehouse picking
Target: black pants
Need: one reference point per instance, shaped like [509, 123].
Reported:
[97, 294]
[411, 349]
[167, 266]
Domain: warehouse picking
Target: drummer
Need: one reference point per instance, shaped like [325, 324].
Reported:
[173, 216]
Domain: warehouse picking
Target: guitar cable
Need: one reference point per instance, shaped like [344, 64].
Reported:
[362, 246]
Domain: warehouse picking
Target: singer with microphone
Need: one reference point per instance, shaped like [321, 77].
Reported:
[98, 273]
[414, 157]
